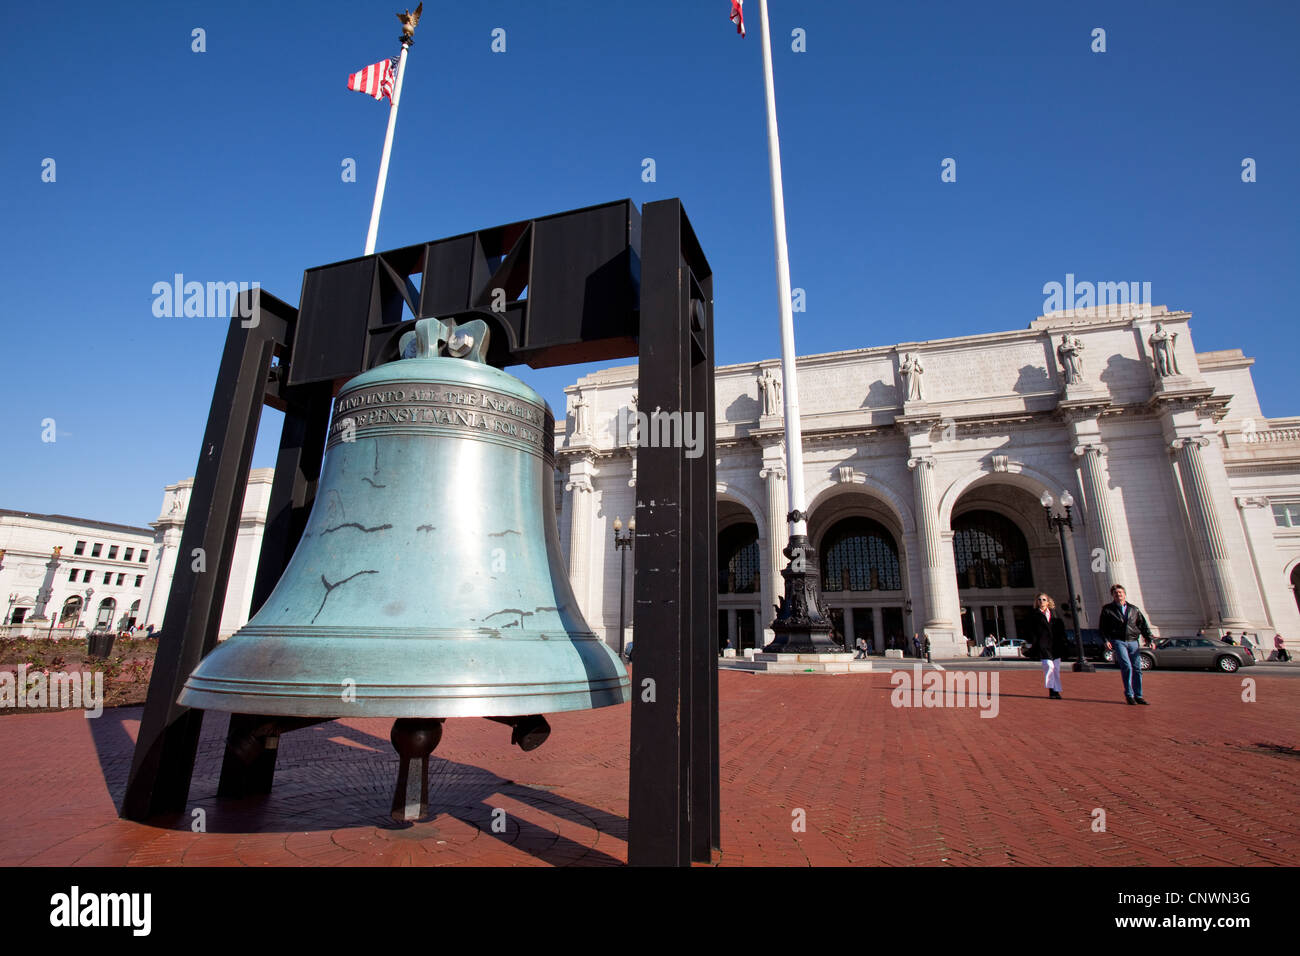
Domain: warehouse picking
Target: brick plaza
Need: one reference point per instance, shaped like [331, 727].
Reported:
[1199, 778]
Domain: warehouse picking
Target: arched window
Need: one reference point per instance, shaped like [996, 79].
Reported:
[738, 568]
[105, 613]
[859, 554]
[990, 552]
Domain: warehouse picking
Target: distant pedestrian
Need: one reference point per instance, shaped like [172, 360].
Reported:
[1046, 635]
[925, 646]
[861, 655]
[1121, 625]
[916, 645]
[1279, 650]
[1227, 638]
[989, 645]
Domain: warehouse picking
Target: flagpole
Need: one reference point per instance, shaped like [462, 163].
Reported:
[801, 623]
[396, 99]
[793, 432]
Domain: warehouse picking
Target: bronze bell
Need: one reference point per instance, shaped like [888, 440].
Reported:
[428, 582]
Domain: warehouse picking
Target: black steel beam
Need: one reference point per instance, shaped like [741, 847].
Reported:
[169, 733]
[672, 804]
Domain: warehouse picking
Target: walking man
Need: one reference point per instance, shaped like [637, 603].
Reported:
[1121, 625]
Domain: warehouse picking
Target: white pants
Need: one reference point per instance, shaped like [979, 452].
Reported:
[1052, 674]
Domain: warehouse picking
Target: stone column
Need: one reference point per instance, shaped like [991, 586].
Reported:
[1102, 532]
[930, 538]
[581, 518]
[1216, 563]
[778, 536]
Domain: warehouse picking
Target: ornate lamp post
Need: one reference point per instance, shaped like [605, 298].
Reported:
[1059, 523]
[86, 604]
[622, 544]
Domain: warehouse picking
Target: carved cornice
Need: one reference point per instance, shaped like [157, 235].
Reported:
[1252, 501]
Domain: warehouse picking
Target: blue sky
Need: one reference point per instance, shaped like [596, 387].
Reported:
[225, 165]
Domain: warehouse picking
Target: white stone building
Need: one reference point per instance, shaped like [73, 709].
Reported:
[58, 572]
[114, 574]
[248, 547]
[924, 492]
[925, 510]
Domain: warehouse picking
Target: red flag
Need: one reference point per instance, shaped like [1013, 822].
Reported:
[375, 80]
[738, 16]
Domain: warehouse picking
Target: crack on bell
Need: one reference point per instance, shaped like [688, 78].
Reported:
[502, 534]
[426, 527]
[372, 484]
[512, 610]
[329, 589]
[353, 524]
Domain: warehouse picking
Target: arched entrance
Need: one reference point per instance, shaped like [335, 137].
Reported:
[1295, 585]
[740, 578]
[995, 576]
[862, 583]
[71, 612]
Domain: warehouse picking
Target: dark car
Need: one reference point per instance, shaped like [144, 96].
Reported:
[1094, 647]
[1196, 653]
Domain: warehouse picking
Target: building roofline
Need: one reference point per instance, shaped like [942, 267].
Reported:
[80, 522]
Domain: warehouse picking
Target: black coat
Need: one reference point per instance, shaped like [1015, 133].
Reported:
[1047, 640]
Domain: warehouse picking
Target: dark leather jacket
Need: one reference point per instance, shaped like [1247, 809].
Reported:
[1113, 627]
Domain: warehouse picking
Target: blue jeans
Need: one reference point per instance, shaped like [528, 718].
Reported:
[1130, 666]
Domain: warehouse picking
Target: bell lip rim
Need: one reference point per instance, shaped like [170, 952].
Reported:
[351, 632]
[467, 705]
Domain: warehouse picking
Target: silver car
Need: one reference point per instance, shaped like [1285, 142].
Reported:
[1196, 652]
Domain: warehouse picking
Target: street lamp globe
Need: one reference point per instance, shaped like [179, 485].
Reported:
[1067, 499]
[1046, 500]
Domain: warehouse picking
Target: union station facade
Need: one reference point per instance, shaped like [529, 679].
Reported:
[926, 485]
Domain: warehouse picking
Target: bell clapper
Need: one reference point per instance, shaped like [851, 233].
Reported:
[414, 738]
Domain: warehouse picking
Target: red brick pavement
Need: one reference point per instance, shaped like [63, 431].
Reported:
[1199, 778]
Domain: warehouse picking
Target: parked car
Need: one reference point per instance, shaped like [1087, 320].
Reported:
[1011, 647]
[1094, 647]
[1196, 653]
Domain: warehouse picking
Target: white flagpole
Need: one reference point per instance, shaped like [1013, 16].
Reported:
[790, 390]
[373, 234]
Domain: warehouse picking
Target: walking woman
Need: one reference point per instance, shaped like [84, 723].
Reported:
[1047, 637]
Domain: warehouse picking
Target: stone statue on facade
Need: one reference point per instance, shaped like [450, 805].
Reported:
[911, 369]
[581, 418]
[632, 426]
[1069, 352]
[1162, 351]
[769, 387]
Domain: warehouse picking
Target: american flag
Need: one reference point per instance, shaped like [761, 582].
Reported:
[376, 80]
[738, 16]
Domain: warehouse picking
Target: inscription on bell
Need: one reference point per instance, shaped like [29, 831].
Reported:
[477, 410]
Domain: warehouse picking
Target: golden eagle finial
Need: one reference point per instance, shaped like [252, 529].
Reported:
[410, 20]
